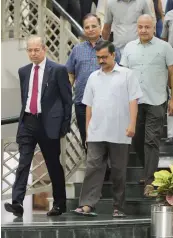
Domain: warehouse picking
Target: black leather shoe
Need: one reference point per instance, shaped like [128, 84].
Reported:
[16, 209]
[56, 211]
[169, 141]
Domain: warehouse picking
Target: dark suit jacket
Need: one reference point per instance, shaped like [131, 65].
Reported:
[56, 98]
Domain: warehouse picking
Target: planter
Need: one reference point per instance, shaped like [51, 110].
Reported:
[161, 221]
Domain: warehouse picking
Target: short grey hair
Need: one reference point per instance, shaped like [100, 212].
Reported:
[36, 37]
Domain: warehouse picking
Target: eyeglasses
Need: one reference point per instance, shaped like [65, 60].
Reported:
[104, 57]
[37, 50]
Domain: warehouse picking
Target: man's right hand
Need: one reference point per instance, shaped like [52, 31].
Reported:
[65, 128]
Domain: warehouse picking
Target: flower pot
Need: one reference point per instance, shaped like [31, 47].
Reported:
[161, 221]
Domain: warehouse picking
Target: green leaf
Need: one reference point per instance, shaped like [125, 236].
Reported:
[162, 174]
[159, 182]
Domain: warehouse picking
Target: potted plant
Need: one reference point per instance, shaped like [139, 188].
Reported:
[162, 211]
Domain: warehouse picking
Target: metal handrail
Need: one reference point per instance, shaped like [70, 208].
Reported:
[64, 14]
[9, 120]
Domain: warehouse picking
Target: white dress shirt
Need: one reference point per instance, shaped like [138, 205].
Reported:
[40, 81]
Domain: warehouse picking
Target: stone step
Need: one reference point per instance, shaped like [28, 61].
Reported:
[133, 155]
[163, 148]
[133, 206]
[133, 190]
[134, 174]
[72, 226]
[164, 160]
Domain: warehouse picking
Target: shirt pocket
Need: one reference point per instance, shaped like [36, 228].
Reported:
[156, 59]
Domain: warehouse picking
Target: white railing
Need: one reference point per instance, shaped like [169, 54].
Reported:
[19, 19]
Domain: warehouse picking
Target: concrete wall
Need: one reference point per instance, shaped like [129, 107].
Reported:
[13, 56]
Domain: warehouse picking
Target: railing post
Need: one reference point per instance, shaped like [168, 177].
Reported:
[2, 160]
[41, 17]
[62, 59]
[17, 16]
[3, 23]
[63, 42]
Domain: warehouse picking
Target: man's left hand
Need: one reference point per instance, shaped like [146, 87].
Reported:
[170, 107]
[130, 131]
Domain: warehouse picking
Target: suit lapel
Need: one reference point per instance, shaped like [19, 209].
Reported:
[46, 76]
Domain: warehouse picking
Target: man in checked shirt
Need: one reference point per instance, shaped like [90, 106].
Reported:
[81, 63]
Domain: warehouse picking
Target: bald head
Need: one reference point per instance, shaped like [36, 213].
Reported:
[36, 49]
[146, 28]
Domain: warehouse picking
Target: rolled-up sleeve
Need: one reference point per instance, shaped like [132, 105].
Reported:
[134, 89]
[88, 93]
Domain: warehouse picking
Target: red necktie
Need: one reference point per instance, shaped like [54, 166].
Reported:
[34, 96]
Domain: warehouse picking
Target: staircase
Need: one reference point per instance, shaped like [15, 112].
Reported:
[33, 16]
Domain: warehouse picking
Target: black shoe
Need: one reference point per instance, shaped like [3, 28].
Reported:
[56, 211]
[16, 209]
[169, 141]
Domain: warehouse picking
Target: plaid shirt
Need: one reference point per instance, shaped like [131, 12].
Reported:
[82, 62]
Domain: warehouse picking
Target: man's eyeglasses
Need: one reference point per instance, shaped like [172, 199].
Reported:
[104, 57]
[37, 50]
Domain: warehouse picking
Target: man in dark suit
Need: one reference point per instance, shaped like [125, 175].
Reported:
[45, 118]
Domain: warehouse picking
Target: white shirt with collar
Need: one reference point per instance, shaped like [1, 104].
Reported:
[109, 95]
[40, 81]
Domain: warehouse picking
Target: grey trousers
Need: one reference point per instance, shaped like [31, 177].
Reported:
[98, 153]
[149, 127]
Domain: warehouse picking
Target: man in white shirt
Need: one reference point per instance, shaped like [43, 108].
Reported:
[111, 96]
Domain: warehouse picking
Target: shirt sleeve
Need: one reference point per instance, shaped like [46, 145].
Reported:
[108, 15]
[70, 64]
[88, 93]
[169, 54]
[134, 89]
[124, 59]
[165, 30]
